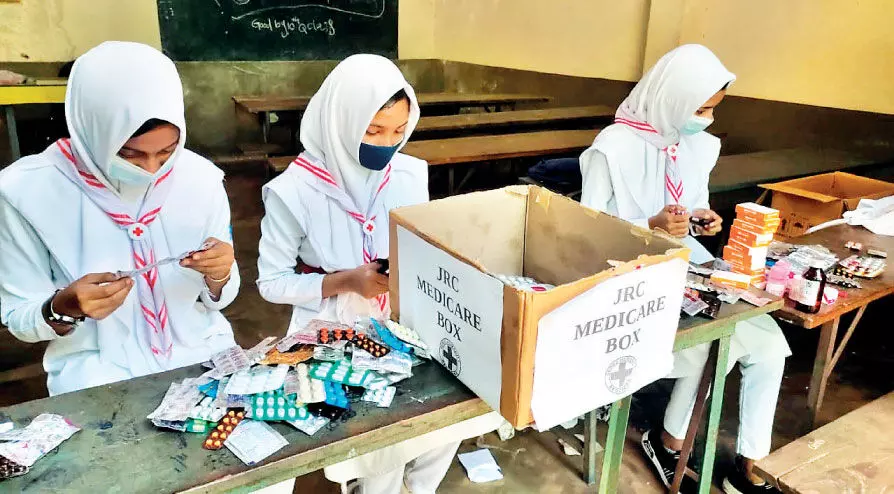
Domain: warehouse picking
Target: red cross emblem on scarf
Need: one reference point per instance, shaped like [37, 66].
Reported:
[136, 231]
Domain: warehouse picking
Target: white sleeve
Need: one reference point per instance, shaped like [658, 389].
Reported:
[701, 200]
[597, 191]
[220, 228]
[26, 279]
[281, 239]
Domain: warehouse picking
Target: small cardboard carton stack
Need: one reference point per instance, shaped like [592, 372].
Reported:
[746, 252]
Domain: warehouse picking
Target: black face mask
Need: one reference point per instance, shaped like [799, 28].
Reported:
[376, 158]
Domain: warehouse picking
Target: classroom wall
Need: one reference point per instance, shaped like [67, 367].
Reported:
[60, 30]
[837, 53]
[593, 38]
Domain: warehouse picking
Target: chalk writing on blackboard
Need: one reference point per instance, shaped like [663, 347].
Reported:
[373, 9]
[285, 27]
[194, 30]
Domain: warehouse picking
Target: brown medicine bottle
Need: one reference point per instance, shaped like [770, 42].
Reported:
[810, 298]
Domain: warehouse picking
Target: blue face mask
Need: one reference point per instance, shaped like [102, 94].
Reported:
[376, 157]
[128, 173]
[695, 124]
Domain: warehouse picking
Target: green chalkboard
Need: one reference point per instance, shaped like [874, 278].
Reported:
[277, 29]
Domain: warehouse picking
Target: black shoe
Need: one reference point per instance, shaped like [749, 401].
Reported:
[664, 461]
[737, 483]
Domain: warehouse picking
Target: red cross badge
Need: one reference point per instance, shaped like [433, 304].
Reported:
[369, 226]
[137, 231]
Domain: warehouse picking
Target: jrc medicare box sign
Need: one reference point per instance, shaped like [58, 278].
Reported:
[606, 329]
[620, 334]
[458, 312]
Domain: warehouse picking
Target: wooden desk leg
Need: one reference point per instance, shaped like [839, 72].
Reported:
[614, 446]
[13, 133]
[451, 178]
[265, 126]
[716, 406]
[590, 442]
[822, 368]
[695, 420]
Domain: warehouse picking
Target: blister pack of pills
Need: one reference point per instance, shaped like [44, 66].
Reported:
[223, 429]
[340, 372]
[275, 406]
[257, 380]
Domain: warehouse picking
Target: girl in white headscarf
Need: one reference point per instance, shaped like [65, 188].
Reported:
[118, 195]
[327, 218]
[652, 168]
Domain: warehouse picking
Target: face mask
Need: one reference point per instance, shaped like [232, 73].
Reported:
[376, 157]
[695, 124]
[128, 173]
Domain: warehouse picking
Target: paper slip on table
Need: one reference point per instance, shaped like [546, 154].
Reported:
[263, 106]
[829, 316]
[692, 331]
[37, 92]
[851, 454]
[119, 446]
[475, 149]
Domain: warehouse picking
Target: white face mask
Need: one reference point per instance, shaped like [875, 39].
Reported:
[695, 124]
[128, 173]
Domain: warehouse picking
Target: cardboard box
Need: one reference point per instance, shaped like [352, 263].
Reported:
[751, 239]
[768, 228]
[519, 230]
[755, 213]
[806, 202]
[733, 280]
[742, 262]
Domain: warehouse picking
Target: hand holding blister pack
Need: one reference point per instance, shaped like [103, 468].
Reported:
[133, 273]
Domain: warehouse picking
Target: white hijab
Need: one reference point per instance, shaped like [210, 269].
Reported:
[650, 164]
[671, 91]
[338, 115]
[113, 90]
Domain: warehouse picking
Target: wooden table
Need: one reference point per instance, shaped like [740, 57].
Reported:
[828, 318]
[513, 120]
[119, 447]
[464, 150]
[741, 171]
[37, 92]
[851, 454]
[263, 106]
[692, 331]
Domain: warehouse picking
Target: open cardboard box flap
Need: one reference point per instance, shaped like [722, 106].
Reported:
[529, 231]
[834, 186]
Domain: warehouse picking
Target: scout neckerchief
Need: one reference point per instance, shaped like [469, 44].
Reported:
[149, 290]
[673, 181]
[366, 220]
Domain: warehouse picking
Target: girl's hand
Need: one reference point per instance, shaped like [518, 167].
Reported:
[673, 219]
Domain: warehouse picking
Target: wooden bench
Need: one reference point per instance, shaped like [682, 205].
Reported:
[264, 104]
[742, 171]
[513, 121]
[438, 103]
[851, 454]
[462, 150]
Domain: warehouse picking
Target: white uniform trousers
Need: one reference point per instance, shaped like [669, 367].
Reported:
[758, 394]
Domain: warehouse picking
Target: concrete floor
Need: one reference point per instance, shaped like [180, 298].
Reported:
[531, 462]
